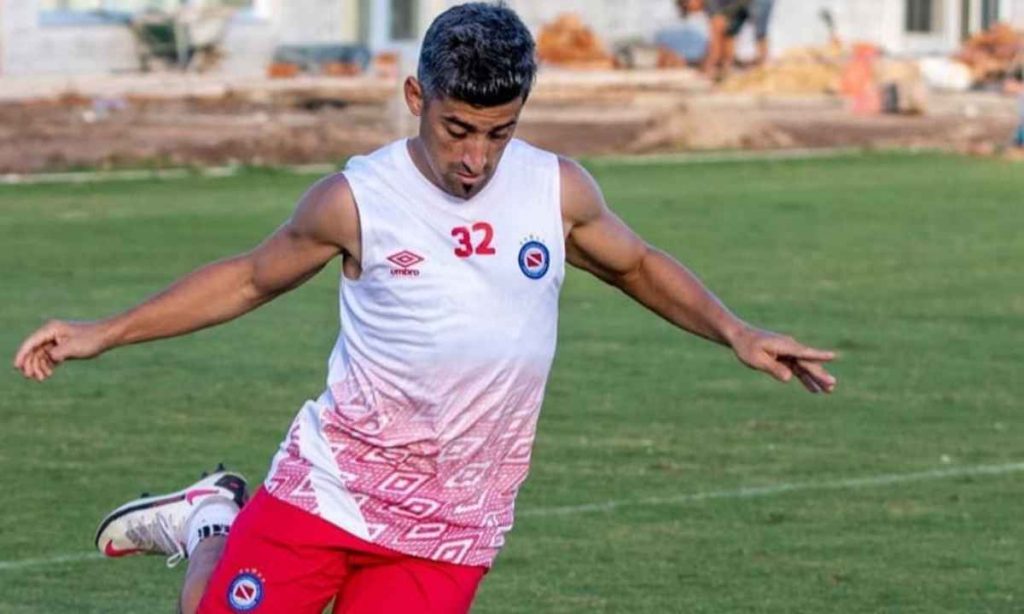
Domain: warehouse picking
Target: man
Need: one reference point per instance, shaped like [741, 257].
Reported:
[394, 490]
[727, 20]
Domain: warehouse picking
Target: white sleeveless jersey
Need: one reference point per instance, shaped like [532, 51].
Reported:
[424, 434]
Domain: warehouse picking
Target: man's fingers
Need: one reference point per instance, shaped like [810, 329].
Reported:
[32, 366]
[29, 366]
[46, 334]
[808, 379]
[778, 370]
[36, 365]
[809, 382]
[825, 380]
[784, 357]
[46, 363]
[813, 376]
[806, 353]
[26, 371]
[795, 349]
[40, 360]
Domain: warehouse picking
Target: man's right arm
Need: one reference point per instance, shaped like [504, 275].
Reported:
[325, 223]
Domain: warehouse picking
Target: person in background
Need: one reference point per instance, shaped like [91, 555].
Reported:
[727, 20]
[1015, 85]
[761, 15]
[688, 39]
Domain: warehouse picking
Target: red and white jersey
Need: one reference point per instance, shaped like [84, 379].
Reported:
[424, 434]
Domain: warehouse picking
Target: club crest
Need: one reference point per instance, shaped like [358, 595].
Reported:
[534, 259]
[246, 591]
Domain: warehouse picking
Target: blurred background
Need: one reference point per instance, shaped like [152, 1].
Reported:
[186, 82]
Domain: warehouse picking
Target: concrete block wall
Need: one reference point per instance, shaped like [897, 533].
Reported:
[312, 21]
[30, 48]
[619, 20]
[251, 39]
[1017, 13]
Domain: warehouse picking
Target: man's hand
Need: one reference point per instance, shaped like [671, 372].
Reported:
[56, 342]
[783, 357]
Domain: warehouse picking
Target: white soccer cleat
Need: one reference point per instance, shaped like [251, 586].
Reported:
[157, 525]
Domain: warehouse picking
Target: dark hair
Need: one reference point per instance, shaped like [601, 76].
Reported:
[478, 53]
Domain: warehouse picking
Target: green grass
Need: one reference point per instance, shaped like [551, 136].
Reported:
[909, 265]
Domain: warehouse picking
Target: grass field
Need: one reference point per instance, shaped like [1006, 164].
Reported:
[909, 265]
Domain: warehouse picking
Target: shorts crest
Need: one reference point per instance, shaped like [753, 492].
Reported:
[246, 591]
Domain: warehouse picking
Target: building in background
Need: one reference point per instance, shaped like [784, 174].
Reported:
[74, 37]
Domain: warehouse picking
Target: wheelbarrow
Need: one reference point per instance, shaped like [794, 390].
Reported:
[186, 39]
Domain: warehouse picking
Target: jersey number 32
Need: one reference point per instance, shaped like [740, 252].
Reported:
[482, 231]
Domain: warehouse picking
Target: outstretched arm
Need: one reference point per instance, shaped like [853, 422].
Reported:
[324, 224]
[599, 242]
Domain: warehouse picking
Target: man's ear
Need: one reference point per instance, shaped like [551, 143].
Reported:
[414, 96]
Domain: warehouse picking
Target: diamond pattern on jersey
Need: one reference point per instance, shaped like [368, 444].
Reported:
[450, 502]
[427, 532]
[416, 508]
[453, 551]
[291, 478]
[469, 476]
[401, 484]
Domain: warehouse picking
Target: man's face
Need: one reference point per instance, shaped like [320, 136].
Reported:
[462, 144]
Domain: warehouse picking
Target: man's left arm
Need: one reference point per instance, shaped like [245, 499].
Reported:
[599, 242]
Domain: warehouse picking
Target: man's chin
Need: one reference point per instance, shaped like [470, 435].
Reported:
[465, 190]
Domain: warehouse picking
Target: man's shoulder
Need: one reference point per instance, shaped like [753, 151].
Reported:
[530, 156]
[581, 197]
[328, 212]
[381, 157]
[527, 148]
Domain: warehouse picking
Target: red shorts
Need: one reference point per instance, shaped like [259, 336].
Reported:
[279, 558]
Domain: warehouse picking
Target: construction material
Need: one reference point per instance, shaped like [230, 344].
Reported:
[188, 38]
[329, 60]
[870, 83]
[804, 70]
[946, 74]
[903, 87]
[993, 55]
[569, 43]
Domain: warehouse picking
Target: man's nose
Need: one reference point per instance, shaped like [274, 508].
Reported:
[474, 156]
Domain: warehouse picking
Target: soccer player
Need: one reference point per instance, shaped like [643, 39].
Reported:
[393, 491]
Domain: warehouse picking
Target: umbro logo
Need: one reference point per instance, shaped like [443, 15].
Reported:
[405, 263]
